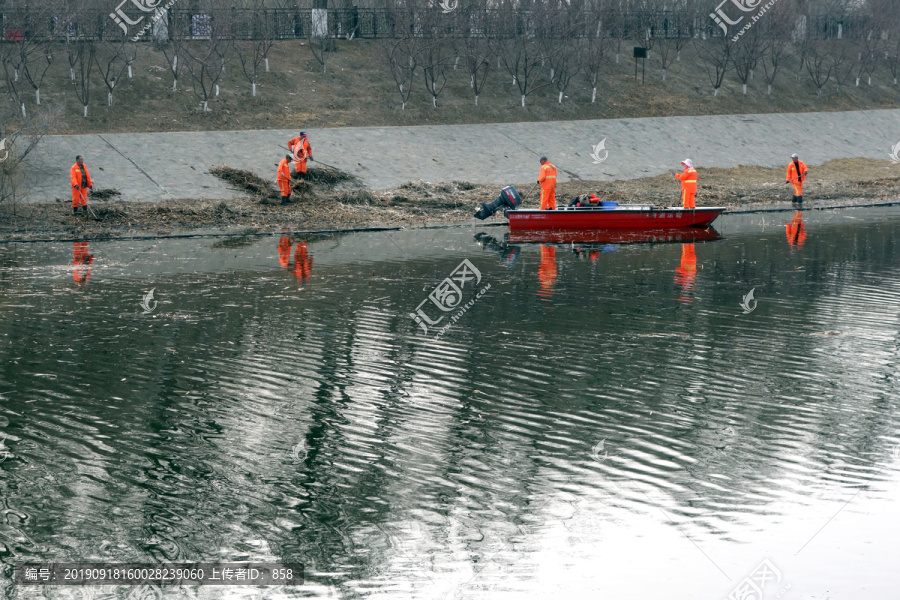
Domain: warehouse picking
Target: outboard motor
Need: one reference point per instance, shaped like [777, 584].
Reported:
[508, 198]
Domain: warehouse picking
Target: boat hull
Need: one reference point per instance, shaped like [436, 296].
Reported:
[622, 217]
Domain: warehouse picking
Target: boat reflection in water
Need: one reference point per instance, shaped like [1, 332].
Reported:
[592, 243]
[614, 236]
[795, 231]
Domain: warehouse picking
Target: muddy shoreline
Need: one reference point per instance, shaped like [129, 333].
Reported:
[347, 205]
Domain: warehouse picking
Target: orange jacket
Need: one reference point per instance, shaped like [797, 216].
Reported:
[304, 150]
[547, 178]
[688, 180]
[75, 176]
[284, 170]
[792, 171]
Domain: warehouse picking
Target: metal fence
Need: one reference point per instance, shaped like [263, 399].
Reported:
[284, 24]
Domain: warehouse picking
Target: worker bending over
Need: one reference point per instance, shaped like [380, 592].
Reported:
[796, 174]
[547, 181]
[688, 183]
[81, 182]
[284, 178]
[300, 148]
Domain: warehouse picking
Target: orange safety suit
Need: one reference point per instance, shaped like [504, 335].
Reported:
[284, 177]
[686, 273]
[688, 187]
[80, 184]
[547, 271]
[796, 230]
[300, 148]
[547, 179]
[284, 251]
[302, 262]
[797, 177]
[81, 262]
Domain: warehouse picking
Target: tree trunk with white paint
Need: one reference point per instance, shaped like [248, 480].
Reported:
[37, 96]
[267, 64]
[85, 111]
[560, 97]
[523, 100]
[594, 95]
[254, 90]
[476, 100]
[745, 89]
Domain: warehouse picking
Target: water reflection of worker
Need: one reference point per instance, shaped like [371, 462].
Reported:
[302, 262]
[284, 251]
[686, 273]
[547, 271]
[796, 230]
[81, 262]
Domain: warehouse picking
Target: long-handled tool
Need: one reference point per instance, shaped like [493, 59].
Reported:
[528, 195]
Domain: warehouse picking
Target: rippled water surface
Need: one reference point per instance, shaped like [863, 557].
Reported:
[600, 421]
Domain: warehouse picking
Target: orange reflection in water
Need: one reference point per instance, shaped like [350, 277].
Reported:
[82, 260]
[796, 231]
[547, 271]
[686, 273]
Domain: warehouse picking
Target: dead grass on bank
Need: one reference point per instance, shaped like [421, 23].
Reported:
[416, 203]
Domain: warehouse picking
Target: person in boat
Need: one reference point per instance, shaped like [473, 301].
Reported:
[547, 181]
[585, 200]
[796, 175]
[688, 183]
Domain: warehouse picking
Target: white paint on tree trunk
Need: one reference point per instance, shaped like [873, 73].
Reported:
[715, 92]
[745, 89]
[267, 64]
[37, 96]
[217, 89]
[109, 99]
[664, 74]
[85, 111]
[594, 95]
[254, 90]
[769, 92]
[130, 74]
[523, 100]
[560, 97]
[24, 116]
[476, 99]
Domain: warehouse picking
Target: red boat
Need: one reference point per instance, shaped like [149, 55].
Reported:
[613, 236]
[623, 216]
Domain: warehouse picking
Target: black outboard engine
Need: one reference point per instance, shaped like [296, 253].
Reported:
[509, 198]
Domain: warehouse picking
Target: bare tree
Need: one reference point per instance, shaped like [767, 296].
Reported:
[747, 53]
[17, 143]
[437, 56]
[867, 58]
[523, 57]
[112, 62]
[821, 62]
[402, 55]
[254, 53]
[205, 63]
[81, 59]
[595, 51]
[716, 55]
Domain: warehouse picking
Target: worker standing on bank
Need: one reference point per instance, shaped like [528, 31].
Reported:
[284, 178]
[300, 148]
[688, 183]
[796, 174]
[81, 183]
[547, 181]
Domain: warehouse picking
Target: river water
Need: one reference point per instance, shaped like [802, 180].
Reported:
[604, 420]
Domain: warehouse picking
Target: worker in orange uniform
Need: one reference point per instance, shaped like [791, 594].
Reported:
[81, 262]
[686, 273]
[300, 148]
[547, 271]
[547, 180]
[302, 262]
[688, 183]
[284, 178]
[796, 230]
[796, 174]
[81, 183]
[284, 251]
